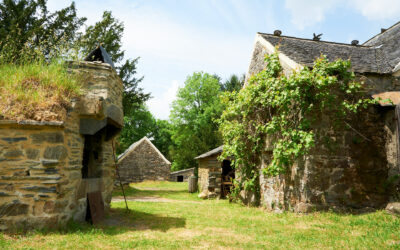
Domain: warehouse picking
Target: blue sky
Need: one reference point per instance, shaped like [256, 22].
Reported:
[174, 38]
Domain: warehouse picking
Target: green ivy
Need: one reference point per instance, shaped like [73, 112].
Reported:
[283, 109]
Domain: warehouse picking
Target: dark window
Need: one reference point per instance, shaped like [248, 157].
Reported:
[179, 178]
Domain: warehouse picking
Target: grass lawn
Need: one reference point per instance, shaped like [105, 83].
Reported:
[176, 220]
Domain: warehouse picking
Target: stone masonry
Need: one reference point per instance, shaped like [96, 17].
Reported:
[354, 167]
[143, 161]
[41, 163]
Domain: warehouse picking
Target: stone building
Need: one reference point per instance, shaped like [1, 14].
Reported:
[215, 177]
[360, 167]
[51, 172]
[181, 175]
[142, 161]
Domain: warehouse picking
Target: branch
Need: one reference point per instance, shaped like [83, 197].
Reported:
[357, 132]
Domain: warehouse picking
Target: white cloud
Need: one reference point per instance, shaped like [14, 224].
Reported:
[160, 106]
[308, 12]
[377, 9]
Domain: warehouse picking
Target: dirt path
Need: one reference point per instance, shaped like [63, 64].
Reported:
[143, 199]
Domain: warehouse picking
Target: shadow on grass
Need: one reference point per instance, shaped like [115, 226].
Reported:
[118, 221]
[136, 221]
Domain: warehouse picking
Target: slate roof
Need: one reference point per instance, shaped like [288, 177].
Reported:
[182, 171]
[364, 59]
[389, 41]
[212, 152]
[99, 54]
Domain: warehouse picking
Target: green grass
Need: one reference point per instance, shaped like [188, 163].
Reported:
[188, 222]
[168, 190]
[27, 91]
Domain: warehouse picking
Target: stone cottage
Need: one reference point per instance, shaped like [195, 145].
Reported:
[181, 175]
[361, 167]
[142, 161]
[215, 177]
[51, 172]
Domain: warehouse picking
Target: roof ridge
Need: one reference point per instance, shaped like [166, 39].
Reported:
[311, 40]
[391, 27]
[137, 143]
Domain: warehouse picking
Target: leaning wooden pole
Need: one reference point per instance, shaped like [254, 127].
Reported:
[119, 177]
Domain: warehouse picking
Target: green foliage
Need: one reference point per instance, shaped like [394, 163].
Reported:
[108, 32]
[162, 136]
[282, 110]
[234, 83]
[137, 124]
[193, 117]
[28, 29]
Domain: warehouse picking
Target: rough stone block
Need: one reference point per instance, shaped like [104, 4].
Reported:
[13, 209]
[32, 153]
[55, 152]
[13, 153]
[13, 139]
[51, 137]
[393, 207]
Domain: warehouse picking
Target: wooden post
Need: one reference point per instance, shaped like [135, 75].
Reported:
[192, 184]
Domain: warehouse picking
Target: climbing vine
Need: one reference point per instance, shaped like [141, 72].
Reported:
[282, 109]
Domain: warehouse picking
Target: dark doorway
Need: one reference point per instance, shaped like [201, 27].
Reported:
[91, 173]
[228, 174]
[179, 178]
[92, 156]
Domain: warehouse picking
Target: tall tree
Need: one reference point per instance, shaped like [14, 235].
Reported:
[108, 32]
[138, 124]
[27, 26]
[162, 136]
[193, 117]
[234, 83]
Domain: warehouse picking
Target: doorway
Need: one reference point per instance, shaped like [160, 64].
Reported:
[227, 177]
[179, 178]
[92, 160]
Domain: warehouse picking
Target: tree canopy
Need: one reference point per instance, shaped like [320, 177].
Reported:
[108, 32]
[193, 117]
[233, 83]
[27, 25]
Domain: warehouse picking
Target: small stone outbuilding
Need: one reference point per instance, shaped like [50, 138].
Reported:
[142, 161]
[52, 172]
[215, 177]
[181, 175]
[360, 167]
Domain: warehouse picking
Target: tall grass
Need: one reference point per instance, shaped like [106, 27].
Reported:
[36, 91]
[35, 84]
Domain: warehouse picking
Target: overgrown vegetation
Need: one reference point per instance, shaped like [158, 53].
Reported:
[36, 91]
[283, 109]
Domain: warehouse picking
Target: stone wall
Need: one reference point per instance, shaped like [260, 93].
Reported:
[185, 173]
[41, 181]
[143, 163]
[349, 168]
[210, 167]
